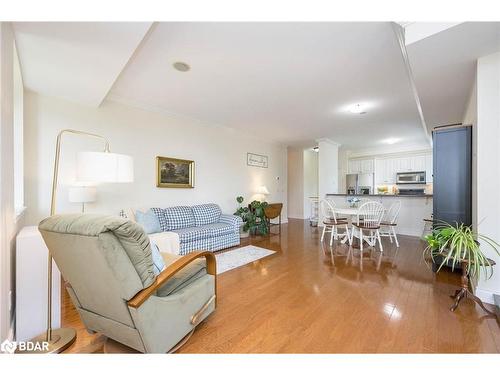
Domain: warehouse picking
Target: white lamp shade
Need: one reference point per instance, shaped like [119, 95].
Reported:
[263, 190]
[82, 194]
[97, 167]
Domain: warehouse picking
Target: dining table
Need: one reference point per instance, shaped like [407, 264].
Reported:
[349, 212]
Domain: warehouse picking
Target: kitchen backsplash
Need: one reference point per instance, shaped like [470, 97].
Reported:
[394, 189]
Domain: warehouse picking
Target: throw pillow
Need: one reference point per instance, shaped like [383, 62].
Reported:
[158, 262]
[148, 220]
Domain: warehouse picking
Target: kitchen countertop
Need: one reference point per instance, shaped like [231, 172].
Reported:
[381, 195]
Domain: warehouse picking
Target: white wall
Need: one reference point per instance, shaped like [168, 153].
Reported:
[295, 183]
[328, 158]
[488, 164]
[310, 180]
[8, 223]
[470, 118]
[219, 154]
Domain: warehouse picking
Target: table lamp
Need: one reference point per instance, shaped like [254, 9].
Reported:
[92, 168]
[82, 194]
[262, 190]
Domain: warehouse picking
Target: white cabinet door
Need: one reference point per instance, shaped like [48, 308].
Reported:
[384, 171]
[354, 166]
[380, 171]
[417, 163]
[390, 171]
[428, 168]
[367, 166]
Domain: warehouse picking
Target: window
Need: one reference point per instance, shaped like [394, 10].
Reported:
[18, 97]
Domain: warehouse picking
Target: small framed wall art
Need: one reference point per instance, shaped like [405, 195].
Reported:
[256, 160]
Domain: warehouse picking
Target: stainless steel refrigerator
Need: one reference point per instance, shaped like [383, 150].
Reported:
[359, 183]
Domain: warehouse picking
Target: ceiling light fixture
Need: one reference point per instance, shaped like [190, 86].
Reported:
[391, 141]
[181, 66]
[359, 109]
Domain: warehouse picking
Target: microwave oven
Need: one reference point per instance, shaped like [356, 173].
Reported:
[410, 178]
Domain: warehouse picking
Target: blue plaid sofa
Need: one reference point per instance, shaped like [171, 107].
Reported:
[201, 227]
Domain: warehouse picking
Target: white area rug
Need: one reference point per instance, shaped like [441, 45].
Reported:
[239, 257]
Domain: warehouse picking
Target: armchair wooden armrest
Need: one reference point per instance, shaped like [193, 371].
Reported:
[170, 271]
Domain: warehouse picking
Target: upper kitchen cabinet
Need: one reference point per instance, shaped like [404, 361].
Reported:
[361, 166]
[387, 168]
[354, 166]
[417, 163]
[367, 166]
[385, 171]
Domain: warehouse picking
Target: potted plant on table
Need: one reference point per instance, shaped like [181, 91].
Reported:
[458, 245]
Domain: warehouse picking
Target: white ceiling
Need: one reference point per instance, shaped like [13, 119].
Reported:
[78, 61]
[289, 82]
[444, 67]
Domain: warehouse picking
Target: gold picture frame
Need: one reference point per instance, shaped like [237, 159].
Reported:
[174, 173]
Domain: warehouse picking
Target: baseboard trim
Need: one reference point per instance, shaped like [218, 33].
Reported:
[485, 295]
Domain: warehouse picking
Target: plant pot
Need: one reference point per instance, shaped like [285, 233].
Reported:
[243, 234]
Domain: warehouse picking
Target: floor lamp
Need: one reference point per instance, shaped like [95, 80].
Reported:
[92, 167]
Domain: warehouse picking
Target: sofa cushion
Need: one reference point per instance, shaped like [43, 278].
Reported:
[192, 234]
[206, 214]
[185, 276]
[174, 217]
[218, 229]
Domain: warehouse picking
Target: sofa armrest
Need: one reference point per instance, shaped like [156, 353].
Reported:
[234, 220]
[170, 271]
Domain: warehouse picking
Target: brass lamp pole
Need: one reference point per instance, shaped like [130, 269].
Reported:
[61, 338]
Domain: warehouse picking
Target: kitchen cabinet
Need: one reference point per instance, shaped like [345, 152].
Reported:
[361, 166]
[428, 168]
[387, 168]
[367, 166]
[417, 163]
[354, 166]
[384, 171]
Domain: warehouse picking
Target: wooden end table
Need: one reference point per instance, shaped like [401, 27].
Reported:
[464, 293]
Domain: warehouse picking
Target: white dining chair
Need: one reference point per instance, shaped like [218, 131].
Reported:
[390, 221]
[368, 219]
[331, 222]
[362, 201]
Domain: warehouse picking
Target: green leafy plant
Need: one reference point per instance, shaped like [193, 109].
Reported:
[454, 243]
[258, 223]
[244, 213]
[253, 216]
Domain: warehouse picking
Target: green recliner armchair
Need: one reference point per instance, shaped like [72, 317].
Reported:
[107, 264]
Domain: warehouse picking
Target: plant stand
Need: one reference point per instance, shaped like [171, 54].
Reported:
[464, 292]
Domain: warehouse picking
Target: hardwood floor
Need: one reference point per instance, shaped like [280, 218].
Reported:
[300, 300]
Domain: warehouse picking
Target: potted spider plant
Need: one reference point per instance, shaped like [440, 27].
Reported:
[452, 245]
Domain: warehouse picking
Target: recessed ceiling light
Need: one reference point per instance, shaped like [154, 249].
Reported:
[181, 66]
[358, 108]
[391, 141]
